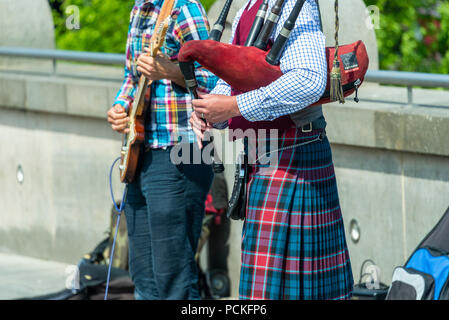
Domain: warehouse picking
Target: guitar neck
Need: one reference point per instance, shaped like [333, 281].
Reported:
[154, 48]
[140, 97]
[156, 43]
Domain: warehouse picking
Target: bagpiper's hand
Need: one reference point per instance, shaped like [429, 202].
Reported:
[199, 127]
[216, 107]
[118, 118]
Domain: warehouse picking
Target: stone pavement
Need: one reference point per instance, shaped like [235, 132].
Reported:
[24, 277]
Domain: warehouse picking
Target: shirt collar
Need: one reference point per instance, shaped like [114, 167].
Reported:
[140, 3]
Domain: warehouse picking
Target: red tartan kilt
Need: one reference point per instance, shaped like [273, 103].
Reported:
[293, 244]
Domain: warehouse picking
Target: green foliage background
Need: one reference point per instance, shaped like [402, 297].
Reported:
[103, 24]
[408, 38]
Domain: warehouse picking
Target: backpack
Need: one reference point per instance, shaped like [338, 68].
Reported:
[93, 270]
[425, 276]
[92, 285]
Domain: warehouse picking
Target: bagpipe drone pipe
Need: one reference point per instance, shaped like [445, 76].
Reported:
[251, 67]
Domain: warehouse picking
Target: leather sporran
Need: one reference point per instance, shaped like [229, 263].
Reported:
[237, 203]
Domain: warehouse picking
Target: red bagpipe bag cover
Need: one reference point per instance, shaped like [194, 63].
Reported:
[245, 68]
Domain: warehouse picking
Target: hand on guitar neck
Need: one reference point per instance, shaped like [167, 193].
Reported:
[159, 67]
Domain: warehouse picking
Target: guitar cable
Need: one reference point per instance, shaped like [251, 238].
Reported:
[119, 210]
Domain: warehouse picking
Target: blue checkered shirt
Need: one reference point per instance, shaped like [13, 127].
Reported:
[303, 64]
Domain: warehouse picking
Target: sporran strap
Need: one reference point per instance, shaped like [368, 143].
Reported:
[337, 28]
[336, 87]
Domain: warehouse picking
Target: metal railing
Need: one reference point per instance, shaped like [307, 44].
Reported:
[76, 56]
[407, 79]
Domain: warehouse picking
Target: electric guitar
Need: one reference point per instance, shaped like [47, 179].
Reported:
[132, 141]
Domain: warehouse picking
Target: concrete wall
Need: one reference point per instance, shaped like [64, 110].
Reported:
[392, 168]
[37, 31]
[55, 130]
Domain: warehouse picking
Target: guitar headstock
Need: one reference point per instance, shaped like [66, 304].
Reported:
[158, 38]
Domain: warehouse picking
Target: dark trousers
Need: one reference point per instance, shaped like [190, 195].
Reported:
[164, 213]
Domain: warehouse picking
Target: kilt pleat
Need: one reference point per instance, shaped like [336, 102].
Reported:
[293, 238]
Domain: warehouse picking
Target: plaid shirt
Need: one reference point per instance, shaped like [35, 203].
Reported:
[303, 63]
[170, 105]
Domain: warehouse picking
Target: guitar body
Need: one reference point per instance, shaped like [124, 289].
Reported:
[131, 148]
[128, 175]
[132, 143]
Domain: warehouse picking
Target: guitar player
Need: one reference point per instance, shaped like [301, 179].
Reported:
[165, 202]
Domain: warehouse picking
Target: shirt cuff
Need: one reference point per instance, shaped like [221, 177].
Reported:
[221, 125]
[222, 89]
[124, 103]
[249, 104]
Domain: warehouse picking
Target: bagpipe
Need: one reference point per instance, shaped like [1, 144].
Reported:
[253, 66]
